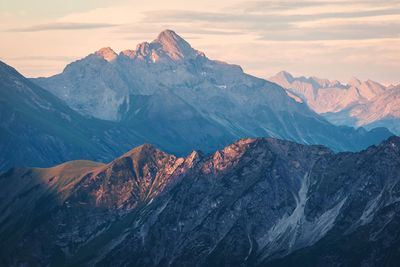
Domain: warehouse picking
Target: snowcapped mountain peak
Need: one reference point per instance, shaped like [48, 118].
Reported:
[106, 53]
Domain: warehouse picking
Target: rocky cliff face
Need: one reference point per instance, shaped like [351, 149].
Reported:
[257, 202]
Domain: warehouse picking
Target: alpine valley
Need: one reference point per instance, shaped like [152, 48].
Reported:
[165, 93]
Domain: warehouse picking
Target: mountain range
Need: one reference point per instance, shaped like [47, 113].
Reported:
[163, 92]
[228, 169]
[257, 202]
[356, 103]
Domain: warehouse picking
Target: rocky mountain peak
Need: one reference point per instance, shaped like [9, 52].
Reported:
[144, 152]
[106, 53]
[169, 36]
[168, 45]
[354, 82]
[173, 45]
[284, 75]
[393, 141]
[143, 48]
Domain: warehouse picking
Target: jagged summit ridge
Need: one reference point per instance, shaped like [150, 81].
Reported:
[252, 203]
[356, 103]
[174, 45]
[193, 101]
[167, 46]
[107, 53]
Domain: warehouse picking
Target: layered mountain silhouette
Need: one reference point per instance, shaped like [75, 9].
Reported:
[357, 103]
[178, 99]
[251, 199]
[257, 202]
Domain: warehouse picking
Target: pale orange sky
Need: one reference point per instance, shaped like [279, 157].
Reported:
[329, 39]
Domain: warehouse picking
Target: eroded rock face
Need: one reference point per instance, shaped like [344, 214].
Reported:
[256, 202]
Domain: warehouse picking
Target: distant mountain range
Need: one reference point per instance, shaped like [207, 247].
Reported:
[357, 103]
[257, 202]
[171, 95]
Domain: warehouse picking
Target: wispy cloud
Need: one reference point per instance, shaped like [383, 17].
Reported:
[354, 25]
[182, 29]
[41, 58]
[219, 17]
[62, 26]
[328, 38]
[269, 6]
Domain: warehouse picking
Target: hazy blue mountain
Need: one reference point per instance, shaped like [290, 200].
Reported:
[257, 202]
[181, 100]
[38, 129]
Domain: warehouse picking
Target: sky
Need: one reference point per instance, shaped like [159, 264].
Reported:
[333, 39]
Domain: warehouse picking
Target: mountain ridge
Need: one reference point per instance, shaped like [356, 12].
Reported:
[187, 100]
[166, 210]
[357, 103]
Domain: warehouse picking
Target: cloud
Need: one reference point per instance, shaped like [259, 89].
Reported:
[349, 31]
[41, 58]
[283, 5]
[181, 29]
[218, 17]
[62, 26]
[328, 38]
[257, 6]
[353, 25]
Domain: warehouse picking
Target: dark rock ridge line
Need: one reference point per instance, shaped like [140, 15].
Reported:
[257, 202]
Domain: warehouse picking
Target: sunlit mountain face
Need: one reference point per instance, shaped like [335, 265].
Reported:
[179, 151]
[357, 103]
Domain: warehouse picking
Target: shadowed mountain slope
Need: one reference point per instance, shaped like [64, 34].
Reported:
[257, 202]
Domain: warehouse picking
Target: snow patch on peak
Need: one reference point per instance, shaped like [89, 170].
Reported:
[106, 53]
